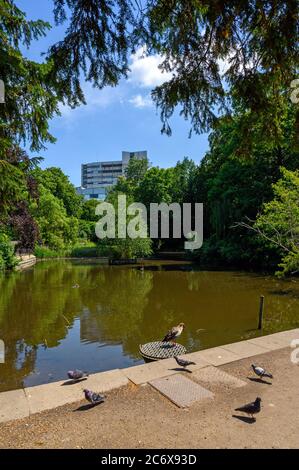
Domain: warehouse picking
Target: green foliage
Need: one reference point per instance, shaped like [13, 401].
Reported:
[11, 185]
[31, 95]
[43, 252]
[7, 257]
[88, 210]
[278, 223]
[119, 247]
[84, 250]
[58, 183]
[255, 40]
[56, 228]
[136, 169]
[156, 186]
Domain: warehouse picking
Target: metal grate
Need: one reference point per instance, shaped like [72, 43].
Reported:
[180, 390]
[161, 350]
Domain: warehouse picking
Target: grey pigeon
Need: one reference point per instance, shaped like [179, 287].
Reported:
[94, 398]
[260, 372]
[76, 374]
[251, 408]
[183, 362]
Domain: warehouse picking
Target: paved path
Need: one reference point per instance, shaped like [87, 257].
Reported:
[139, 416]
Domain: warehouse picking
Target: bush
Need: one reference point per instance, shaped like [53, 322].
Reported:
[125, 248]
[2, 264]
[45, 252]
[84, 250]
[7, 257]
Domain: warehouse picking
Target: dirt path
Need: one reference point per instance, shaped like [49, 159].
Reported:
[139, 417]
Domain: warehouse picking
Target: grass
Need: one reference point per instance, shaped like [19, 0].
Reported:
[79, 250]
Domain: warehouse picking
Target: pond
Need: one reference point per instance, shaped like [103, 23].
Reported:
[61, 315]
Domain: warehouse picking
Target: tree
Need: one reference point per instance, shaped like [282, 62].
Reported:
[57, 230]
[278, 223]
[156, 186]
[134, 174]
[7, 258]
[124, 247]
[60, 186]
[216, 51]
[89, 210]
[32, 93]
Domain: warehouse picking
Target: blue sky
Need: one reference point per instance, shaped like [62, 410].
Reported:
[114, 119]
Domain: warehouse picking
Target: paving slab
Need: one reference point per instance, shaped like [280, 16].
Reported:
[105, 381]
[268, 342]
[286, 337]
[13, 405]
[245, 349]
[181, 390]
[150, 371]
[212, 376]
[194, 357]
[217, 356]
[52, 395]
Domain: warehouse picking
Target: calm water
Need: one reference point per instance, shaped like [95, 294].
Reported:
[49, 326]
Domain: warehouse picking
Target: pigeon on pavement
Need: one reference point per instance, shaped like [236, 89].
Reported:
[76, 374]
[260, 372]
[183, 362]
[174, 333]
[94, 398]
[251, 408]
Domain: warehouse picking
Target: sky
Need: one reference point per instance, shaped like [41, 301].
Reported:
[114, 119]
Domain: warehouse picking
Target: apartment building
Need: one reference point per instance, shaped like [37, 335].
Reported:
[98, 177]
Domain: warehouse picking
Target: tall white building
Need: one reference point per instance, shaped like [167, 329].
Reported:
[98, 177]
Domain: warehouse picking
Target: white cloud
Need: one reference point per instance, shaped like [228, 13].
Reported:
[145, 73]
[145, 70]
[95, 99]
[139, 101]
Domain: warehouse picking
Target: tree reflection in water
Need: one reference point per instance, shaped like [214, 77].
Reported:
[46, 323]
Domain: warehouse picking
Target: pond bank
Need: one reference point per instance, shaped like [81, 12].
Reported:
[25, 261]
[25, 402]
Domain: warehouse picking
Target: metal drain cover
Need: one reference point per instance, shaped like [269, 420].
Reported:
[180, 390]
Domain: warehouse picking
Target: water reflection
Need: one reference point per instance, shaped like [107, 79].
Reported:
[48, 326]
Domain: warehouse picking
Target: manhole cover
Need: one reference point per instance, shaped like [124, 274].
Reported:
[180, 390]
[161, 350]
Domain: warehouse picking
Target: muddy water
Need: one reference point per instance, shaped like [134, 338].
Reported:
[63, 315]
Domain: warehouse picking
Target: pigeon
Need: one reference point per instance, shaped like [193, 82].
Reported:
[76, 374]
[94, 398]
[174, 333]
[183, 362]
[251, 408]
[261, 372]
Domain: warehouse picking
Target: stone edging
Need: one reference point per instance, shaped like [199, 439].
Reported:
[22, 403]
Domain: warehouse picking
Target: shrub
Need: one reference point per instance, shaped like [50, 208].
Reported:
[7, 256]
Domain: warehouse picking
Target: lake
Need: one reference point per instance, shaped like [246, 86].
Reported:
[61, 315]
